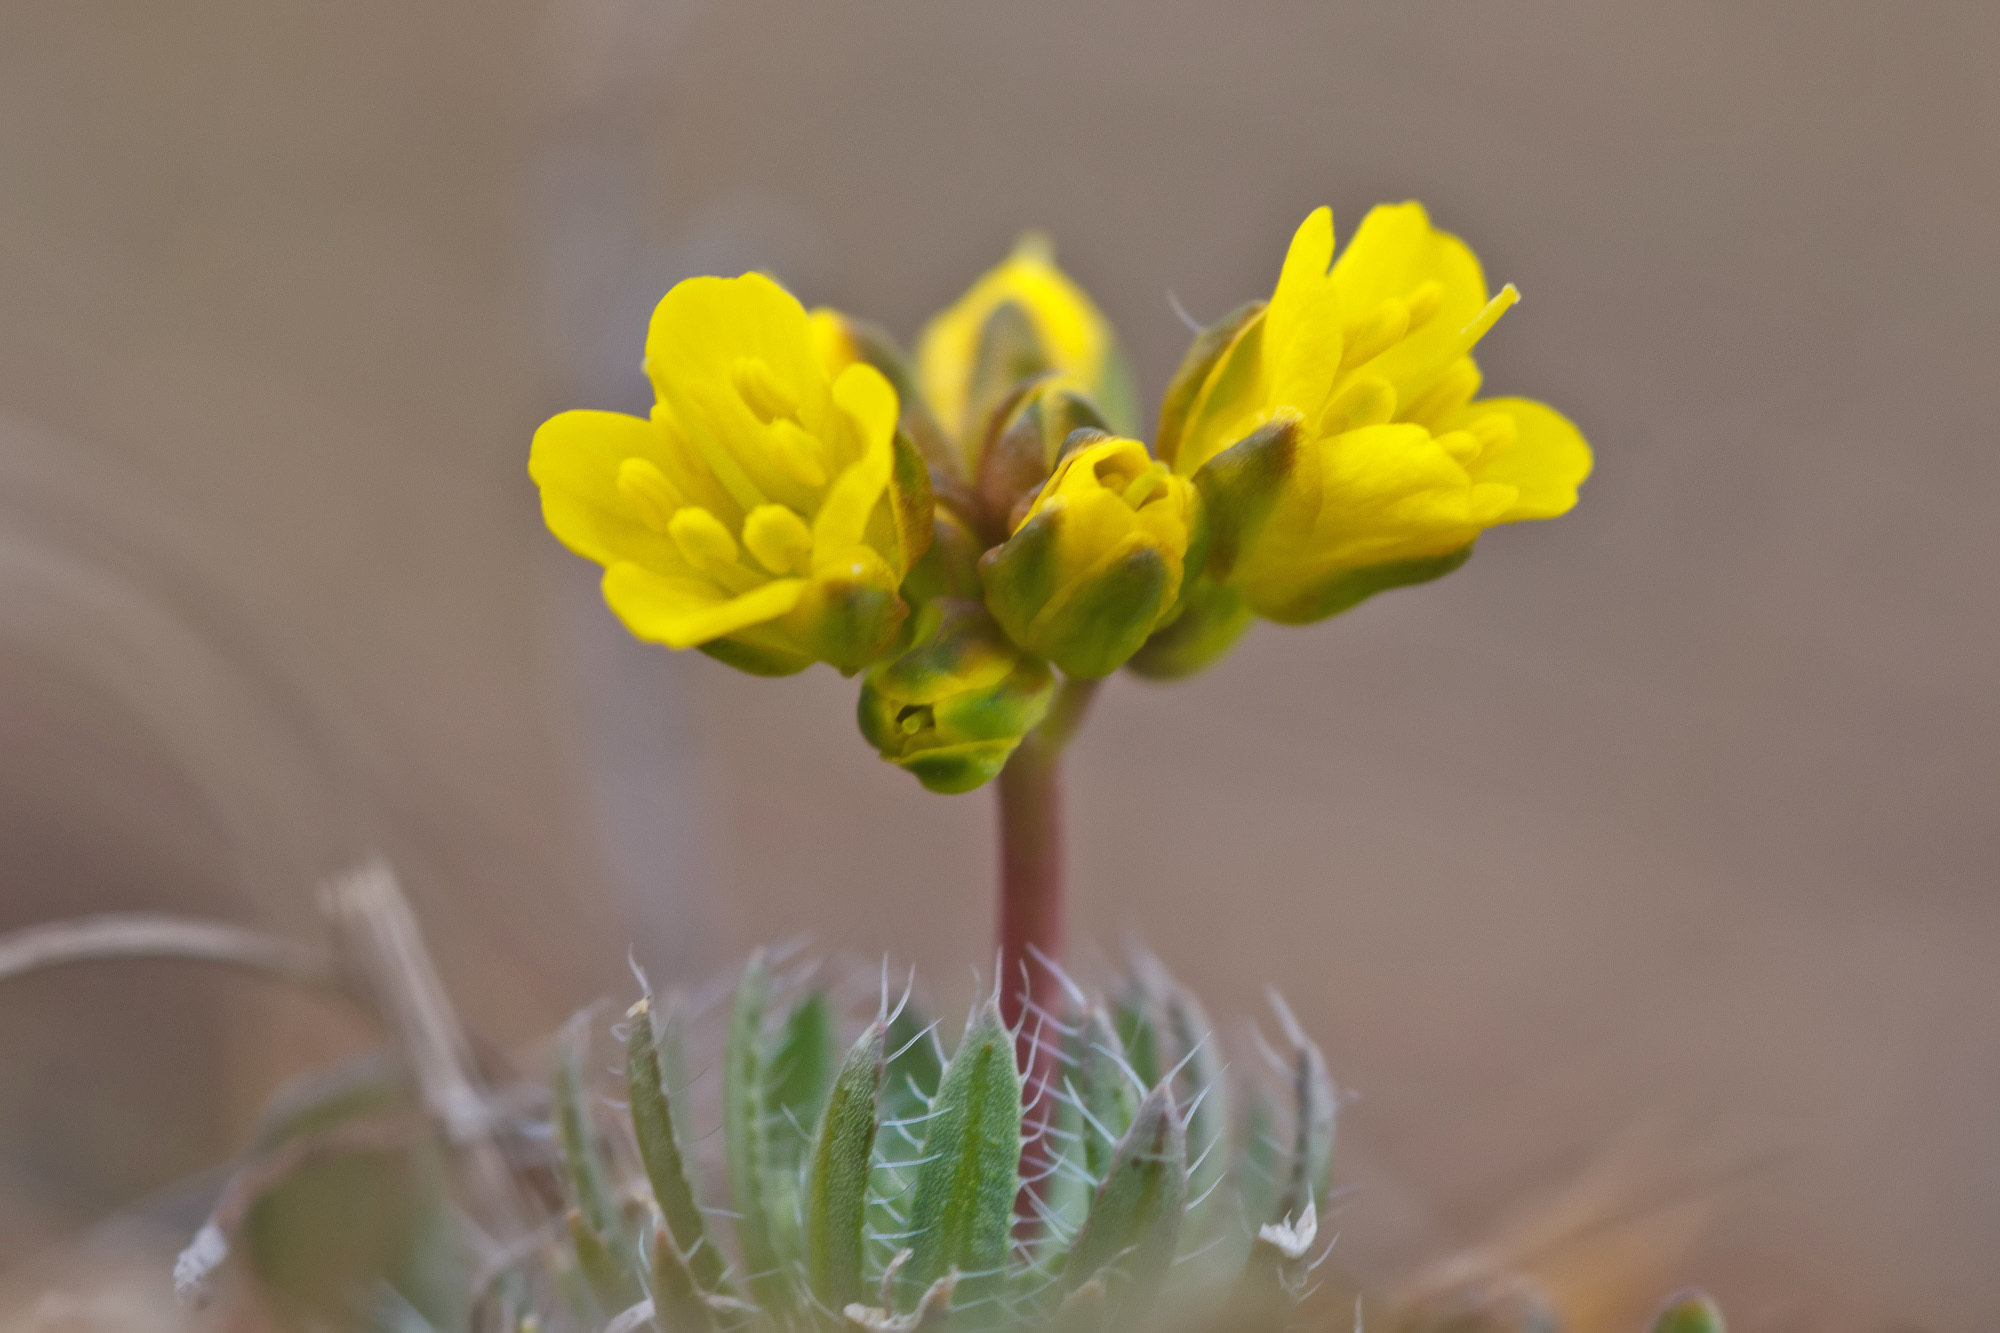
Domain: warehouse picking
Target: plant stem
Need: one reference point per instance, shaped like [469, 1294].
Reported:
[1031, 913]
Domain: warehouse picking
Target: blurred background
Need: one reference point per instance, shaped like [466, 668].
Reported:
[1673, 819]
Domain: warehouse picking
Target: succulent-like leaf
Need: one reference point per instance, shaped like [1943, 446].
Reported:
[1138, 1032]
[837, 1186]
[799, 1071]
[582, 1156]
[675, 1289]
[1135, 1220]
[1109, 1096]
[654, 1125]
[745, 1103]
[1315, 1103]
[964, 1207]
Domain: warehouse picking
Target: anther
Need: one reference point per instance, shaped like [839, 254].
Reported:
[758, 387]
[1462, 445]
[1146, 484]
[779, 539]
[1383, 329]
[1496, 430]
[1366, 400]
[797, 452]
[701, 537]
[652, 497]
[1425, 302]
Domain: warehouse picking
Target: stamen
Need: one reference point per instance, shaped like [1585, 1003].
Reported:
[702, 539]
[760, 390]
[1366, 400]
[1425, 302]
[1496, 430]
[779, 539]
[797, 452]
[1451, 390]
[1383, 329]
[1462, 445]
[1143, 486]
[914, 719]
[652, 497]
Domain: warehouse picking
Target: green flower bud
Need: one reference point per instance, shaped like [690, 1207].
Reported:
[1096, 564]
[1026, 447]
[952, 708]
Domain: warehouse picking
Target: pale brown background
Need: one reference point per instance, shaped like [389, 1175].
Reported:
[1677, 812]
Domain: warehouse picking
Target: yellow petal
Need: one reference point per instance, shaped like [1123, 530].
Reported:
[684, 612]
[1546, 460]
[575, 461]
[1396, 253]
[869, 404]
[1302, 333]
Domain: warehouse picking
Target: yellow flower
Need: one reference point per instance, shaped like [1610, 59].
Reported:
[1096, 563]
[1334, 434]
[767, 512]
[1022, 319]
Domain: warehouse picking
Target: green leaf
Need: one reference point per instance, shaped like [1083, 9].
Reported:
[798, 1074]
[582, 1156]
[1135, 1220]
[1107, 1090]
[1200, 1086]
[608, 1284]
[672, 1283]
[1138, 1033]
[745, 1103]
[964, 1208]
[654, 1124]
[911, 1080]
[837, 1192]
[1315, 1103]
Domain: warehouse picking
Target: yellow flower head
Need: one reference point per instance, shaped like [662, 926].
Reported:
[766, 512]
[1334, 432]
[1096, 563]
[1052, 325]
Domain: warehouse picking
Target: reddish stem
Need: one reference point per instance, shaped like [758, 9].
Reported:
[1031, 923]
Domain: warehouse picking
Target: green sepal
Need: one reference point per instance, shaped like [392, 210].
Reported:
[1008, 354]
[949, 566]
[1213, 617]
[900, 525]
[754, 659]
[745, 1107]
[660, 1150]
[1041, 426]
[1353, 586]
[1134, 1223]
[851, 621]
[1193, 373]
[1088, 626]
[953, 706]
[1690, 1312]
[964, 1206]
[837, 1184]
[1239, 488]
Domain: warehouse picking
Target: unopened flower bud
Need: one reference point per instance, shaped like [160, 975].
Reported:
[1096, 563]
[953, 707]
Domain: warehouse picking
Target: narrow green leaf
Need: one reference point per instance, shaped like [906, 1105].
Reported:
[582, 1156]
[1689, 1312]
[1135, 1220]
[674, 1287]
[607, 1281]
[1315, 1102]
[1138, 1033]
[1107, 1090]
[837, 1193]
[798, 1071]
[1202, 1088]
[915, 1066]
[911, 1080]
[964, 1207]
[745, 1102]
[654, 1125]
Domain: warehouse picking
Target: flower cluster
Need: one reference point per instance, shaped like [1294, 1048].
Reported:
[957, 523]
